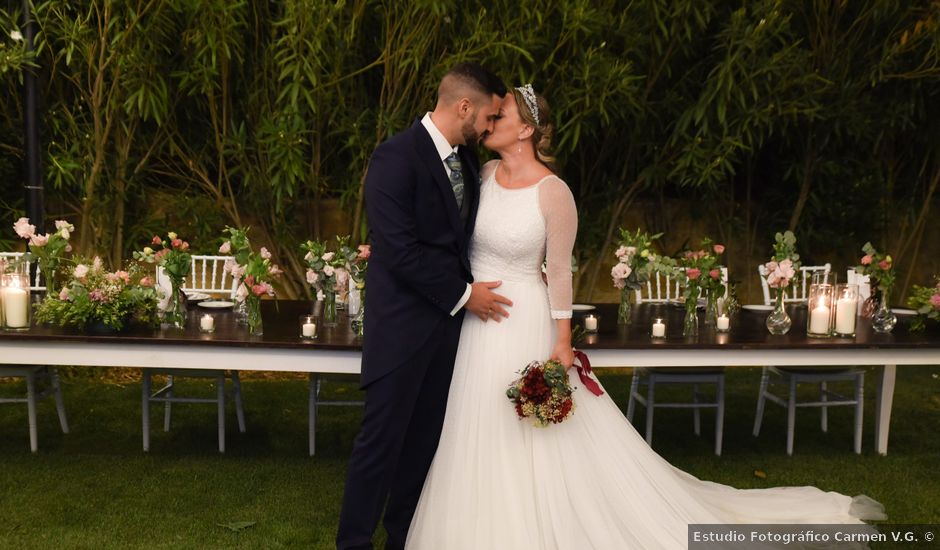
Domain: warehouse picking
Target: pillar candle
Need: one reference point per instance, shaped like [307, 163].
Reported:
[16, 307]
[846, 310]
[819, 320]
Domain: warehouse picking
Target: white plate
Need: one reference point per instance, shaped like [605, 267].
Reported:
[582, 307]
[902, 311]
[216, 304]
[196, 296]
[758, 307]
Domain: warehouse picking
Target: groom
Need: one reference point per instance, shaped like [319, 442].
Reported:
[421, 194]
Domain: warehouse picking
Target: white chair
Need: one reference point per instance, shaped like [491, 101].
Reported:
[799, 290]
[658, 291]
[792, 377]
[34, 374]
[206, 276]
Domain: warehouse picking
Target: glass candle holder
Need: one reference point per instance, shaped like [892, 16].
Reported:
[308, 327]
[207, 323]
[15, 300]
[723, 323]
[659, 329]
[820, 312]
[846, 298]
[590, 323]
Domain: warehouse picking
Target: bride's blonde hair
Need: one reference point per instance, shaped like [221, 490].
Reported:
[543, 128]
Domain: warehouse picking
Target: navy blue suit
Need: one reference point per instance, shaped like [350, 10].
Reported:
[418, 271]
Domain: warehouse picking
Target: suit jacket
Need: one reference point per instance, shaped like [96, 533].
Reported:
[419, 266]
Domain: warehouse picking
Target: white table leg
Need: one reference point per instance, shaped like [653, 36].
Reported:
[883, 408]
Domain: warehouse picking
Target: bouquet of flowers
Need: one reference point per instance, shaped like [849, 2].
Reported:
[176, 261]
[636, 262]
[543, 393]
[47, 249]
[926, 301]
[783, 265]
[879, 267]
[255, 273]
[702, 273]
[95, 295]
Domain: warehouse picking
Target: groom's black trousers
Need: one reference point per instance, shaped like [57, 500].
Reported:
[400, 430]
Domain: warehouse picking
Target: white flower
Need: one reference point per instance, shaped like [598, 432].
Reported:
[148, 251]
[39, 240]
[312, 276]
[241, 293]
[328, 270]
[328, 256]
[23, 228]
[96, 263]
[308, 256]
[171, 235]
[81, 270]
[62, 224]
[16, 35]
[225, 248]
[265, 253]
[64, 233]
[621, 252]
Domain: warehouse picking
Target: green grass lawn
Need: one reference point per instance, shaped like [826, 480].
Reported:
[95, 488]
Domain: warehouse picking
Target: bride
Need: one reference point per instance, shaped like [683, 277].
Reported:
[590, 482]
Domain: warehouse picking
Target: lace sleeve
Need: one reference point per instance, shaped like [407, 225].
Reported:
[561, 226]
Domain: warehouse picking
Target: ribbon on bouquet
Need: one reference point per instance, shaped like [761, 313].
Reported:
[584, 373]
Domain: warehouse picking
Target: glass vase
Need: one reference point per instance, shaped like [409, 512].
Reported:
[253, 315]
[241, 311]
[690, 323]
[174, 316]
[883, 320]
[48, 269]
[711, 308]
[329, 308]
[357, 322]
[625, 311]
[778, 322]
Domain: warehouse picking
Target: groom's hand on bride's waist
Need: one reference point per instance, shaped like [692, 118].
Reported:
[486, 304]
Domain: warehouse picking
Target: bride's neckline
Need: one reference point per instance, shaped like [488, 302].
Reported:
[524, 187]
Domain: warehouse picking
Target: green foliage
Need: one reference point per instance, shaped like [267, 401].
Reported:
[221, 112]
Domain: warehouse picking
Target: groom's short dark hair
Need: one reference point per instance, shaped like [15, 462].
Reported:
[476, 77]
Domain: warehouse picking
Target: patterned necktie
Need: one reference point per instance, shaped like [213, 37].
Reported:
[456, 177]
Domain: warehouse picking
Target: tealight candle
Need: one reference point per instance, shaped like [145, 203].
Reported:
[723, 323]
[207, 323]
[590, 323]
[659, 329]
[308, 327]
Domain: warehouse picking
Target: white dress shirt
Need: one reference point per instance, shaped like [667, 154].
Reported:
[444, 150]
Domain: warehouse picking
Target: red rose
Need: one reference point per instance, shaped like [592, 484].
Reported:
[176, 243]
[693, 273]
[883, 264]
[719, 249]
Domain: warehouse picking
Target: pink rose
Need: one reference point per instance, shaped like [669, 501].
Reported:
[68, 248]
[156, 240]
[715, 273]
[866, 259]
[328, 270]
[80, 271]
[225, 248]
[258, 290]
[62, 224]
[275, 270]
[250, 280]
[39, 240]
[146, 282]
[23, 228]
[884, 264]
[159, 255]
[935, 301]
[241, 293]
[328, 256]
[97, 295]
[176, 243]
[64, 294]
[719, 249]
[312, 276]
[124, 276]
[364, 252]
[184, 246]
[693, 273]
[265, 253]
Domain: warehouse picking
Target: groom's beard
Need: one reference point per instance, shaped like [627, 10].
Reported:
[469, 133]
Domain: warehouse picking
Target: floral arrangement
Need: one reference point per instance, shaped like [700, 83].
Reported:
[173, 257]
[542, 392]
[357, 260]
[95, 295]
[254, 271]
[703, 271]
[879, 267]
[47, 249]
[636, 260]
[326, 269]
[926, 301]
[783, 264]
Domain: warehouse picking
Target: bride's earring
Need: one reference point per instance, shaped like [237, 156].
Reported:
[519, 147]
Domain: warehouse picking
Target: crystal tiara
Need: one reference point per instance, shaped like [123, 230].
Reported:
[528, 94]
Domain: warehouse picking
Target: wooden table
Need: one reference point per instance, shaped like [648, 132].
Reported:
[338, 350]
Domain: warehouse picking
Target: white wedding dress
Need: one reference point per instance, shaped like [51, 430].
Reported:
[590, 482]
